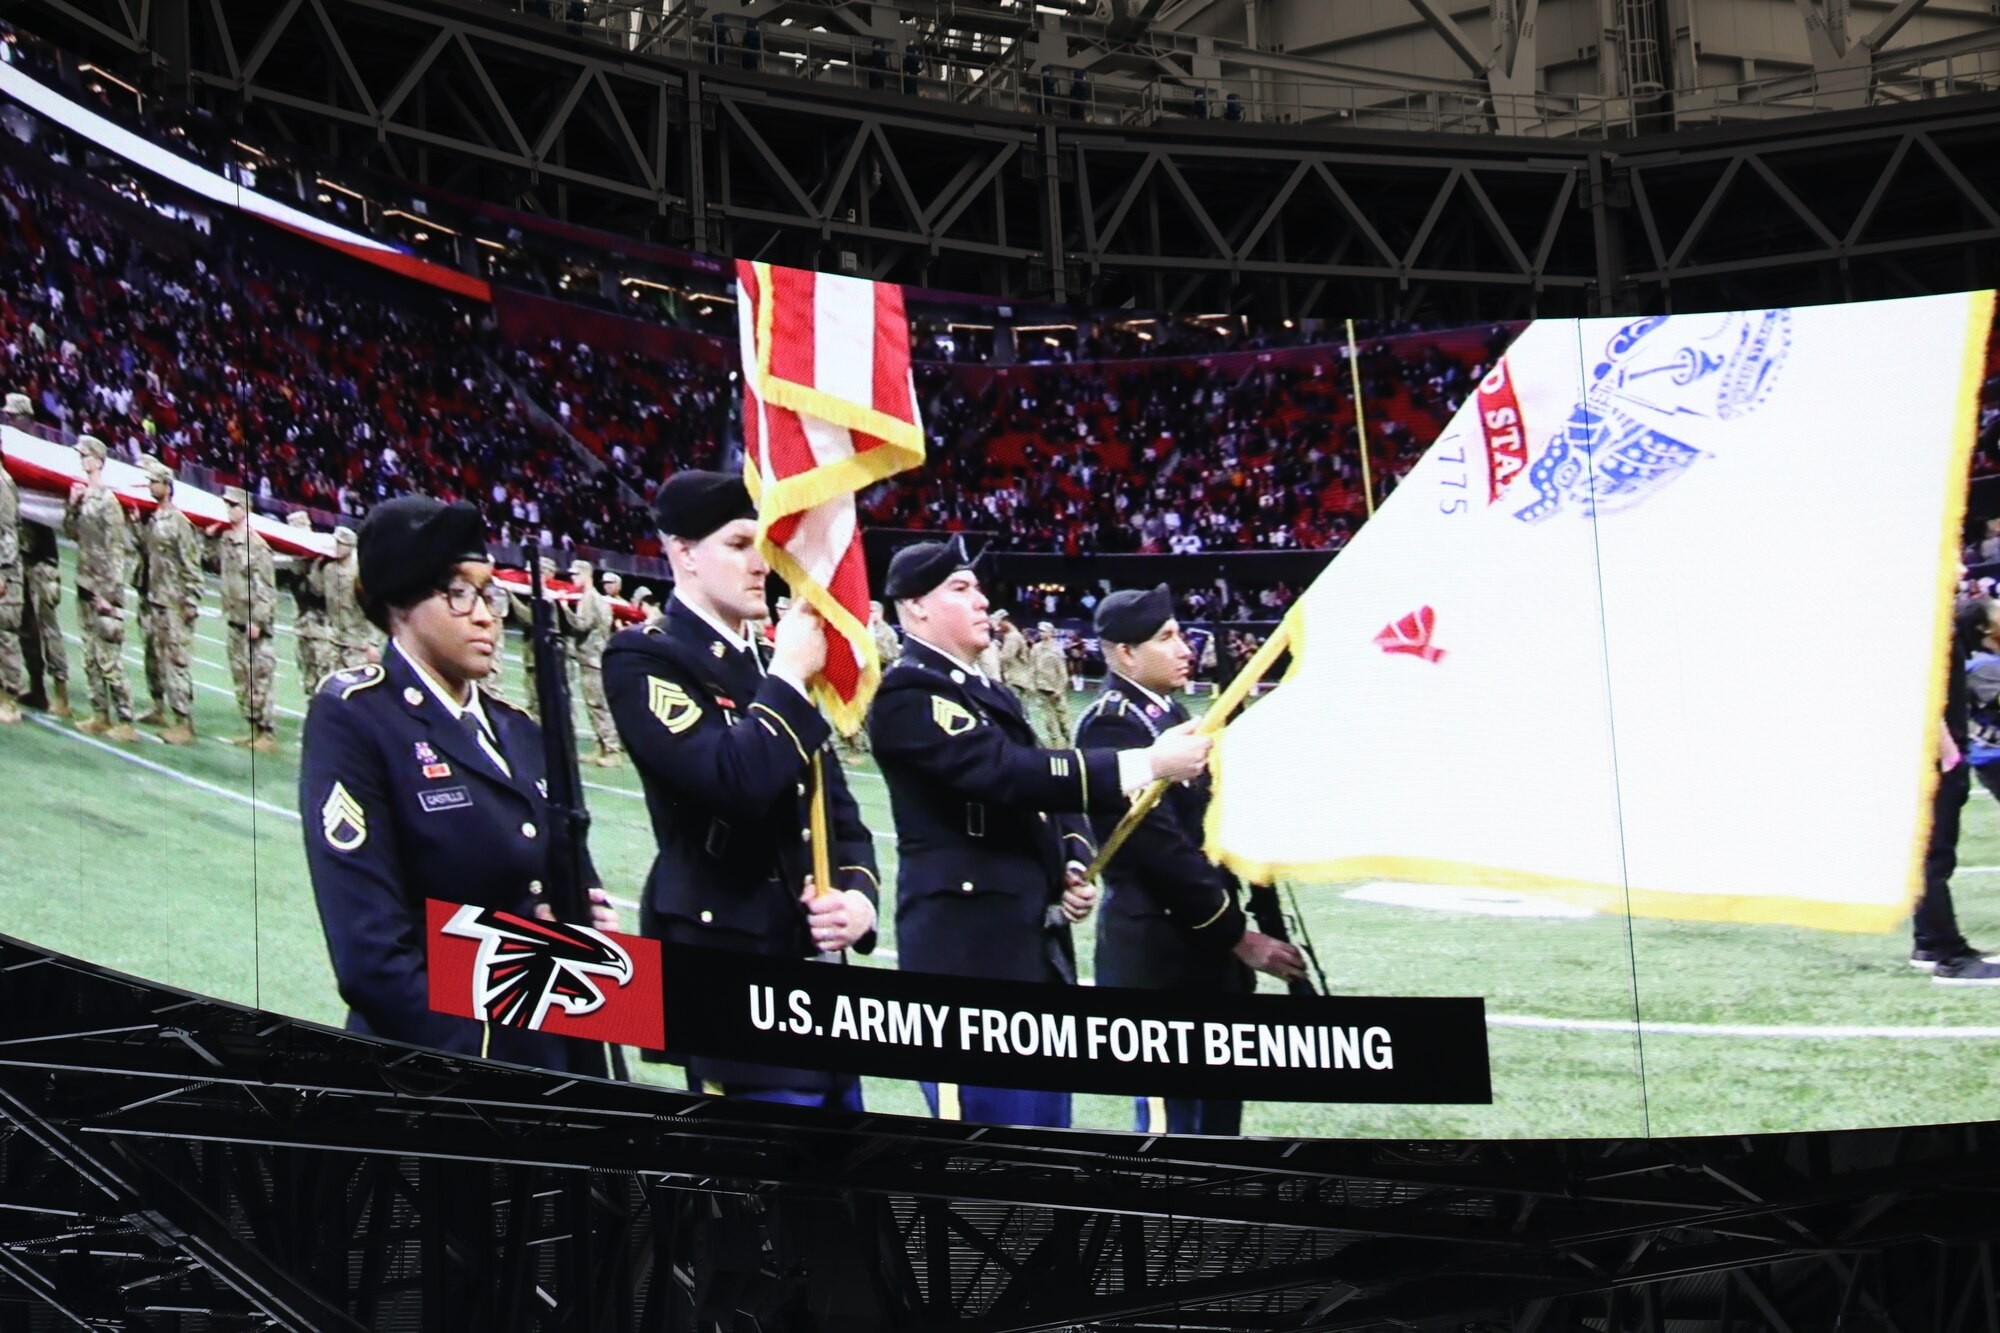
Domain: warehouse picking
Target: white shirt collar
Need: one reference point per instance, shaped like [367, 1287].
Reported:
[954, 658]
[452, 707]
[735, 638]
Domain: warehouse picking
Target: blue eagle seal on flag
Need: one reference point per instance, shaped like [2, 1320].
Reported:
[1656, 379]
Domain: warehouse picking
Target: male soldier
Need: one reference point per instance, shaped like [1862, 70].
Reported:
[96, 522]
[523, 611]
[354, 639]
[312, 631]
[40, 576]
[170, 588]
[725, 749]
[250, 605]
[13, 595]
[1017, 671]
[588, 624]
[990, 837]
[1171, 920]
[1048, 688]
[649, 607]
[887, 646]
[41, 630]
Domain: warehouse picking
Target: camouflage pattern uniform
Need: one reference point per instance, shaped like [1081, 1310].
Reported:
[96, 522]
[44, 579]
[312, 630]
[250, 601]
[1017, 671]
[1048, 695]
[13, 600]
[523, 609]
[170, 588]
[353, 636]
[502, 600]
[588, 624]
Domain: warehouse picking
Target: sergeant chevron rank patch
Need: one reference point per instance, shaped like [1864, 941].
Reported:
[343, 821]
[952, 720]
[671, 704]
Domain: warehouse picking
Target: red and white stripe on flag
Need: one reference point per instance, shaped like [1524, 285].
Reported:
[829, 409]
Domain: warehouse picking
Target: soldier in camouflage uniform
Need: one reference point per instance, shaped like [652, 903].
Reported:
[13, 592]
[312, 631]
[354, 639]
[96, 522]
[20, 586]
[250, 605]
[1016, 671]
[41, 630]
[501, 599]
[170, 588]
[588, 624]
[523, 609]
[1048, 695]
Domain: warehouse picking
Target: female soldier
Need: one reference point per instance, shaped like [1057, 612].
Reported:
[415, 783]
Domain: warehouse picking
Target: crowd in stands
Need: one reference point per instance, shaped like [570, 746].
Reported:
[1176, 457]
[209, 348]
[310, 392]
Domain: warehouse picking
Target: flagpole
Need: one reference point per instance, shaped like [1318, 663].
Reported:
[1360, 422]
[822, 855]
[1231, 699]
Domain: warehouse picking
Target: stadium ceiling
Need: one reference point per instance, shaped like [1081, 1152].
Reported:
[982, 178]
[176, 1164]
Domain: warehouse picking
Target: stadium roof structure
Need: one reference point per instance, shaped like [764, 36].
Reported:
[169, 1162]
[1424, 161]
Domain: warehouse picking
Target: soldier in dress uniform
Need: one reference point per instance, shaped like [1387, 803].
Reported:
[588, 625]
[250, 606]
[990, 835]
[355, 642]
[96, 522]
[312, 630]
[1047, 695]
[170, 587]
[415, 783]
[724, 746]
[13, 592]
[1171, 919]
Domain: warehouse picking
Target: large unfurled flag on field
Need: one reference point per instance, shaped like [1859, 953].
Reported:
[1659, 624]
[829, 408]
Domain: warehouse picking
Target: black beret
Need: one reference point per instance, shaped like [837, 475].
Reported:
[408, 546]
[694, 503]
[1134, 617]
[922, 566]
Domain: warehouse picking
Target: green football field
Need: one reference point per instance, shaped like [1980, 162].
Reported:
[186, 865]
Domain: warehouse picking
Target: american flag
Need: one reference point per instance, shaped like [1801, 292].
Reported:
[829, 409]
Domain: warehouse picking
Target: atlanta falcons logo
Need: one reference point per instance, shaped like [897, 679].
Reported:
[525, 966]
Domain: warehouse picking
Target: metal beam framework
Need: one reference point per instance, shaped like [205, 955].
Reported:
[169, 1163]
[1278, 221]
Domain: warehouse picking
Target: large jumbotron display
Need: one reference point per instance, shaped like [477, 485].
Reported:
[1056, 718]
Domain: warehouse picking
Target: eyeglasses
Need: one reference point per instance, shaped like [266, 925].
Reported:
[461, 597]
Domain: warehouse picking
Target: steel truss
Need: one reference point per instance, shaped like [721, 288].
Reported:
[176, 1163]
[1279, 221]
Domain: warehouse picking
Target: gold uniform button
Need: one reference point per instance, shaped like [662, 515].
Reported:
[707, 917]
[805, 835]
[802, 789]
[534, 886]
[528, 830]
[965, 887]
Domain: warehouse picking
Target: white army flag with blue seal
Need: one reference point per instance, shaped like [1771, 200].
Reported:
[1659, 624]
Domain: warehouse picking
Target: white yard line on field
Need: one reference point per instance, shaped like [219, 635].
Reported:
[1793, 1031]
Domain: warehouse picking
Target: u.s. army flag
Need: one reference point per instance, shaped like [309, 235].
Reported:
[1658, 624]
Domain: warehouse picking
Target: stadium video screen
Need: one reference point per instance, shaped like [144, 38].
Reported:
[1613, 705]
